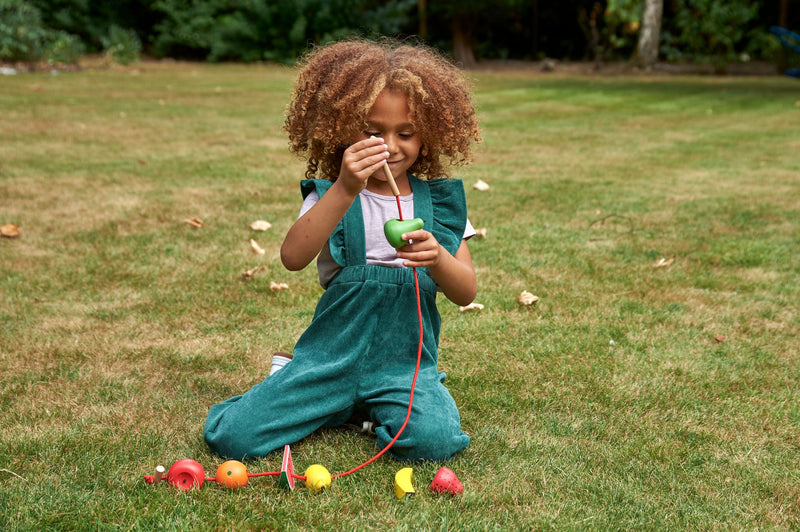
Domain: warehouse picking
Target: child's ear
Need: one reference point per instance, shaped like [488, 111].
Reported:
[423, 150]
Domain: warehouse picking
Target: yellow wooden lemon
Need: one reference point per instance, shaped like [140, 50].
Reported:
[317, 478]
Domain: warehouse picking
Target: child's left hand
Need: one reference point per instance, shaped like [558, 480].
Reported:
[423, 251]
[453, 274]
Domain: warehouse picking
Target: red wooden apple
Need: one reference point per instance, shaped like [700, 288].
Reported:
[186, 474]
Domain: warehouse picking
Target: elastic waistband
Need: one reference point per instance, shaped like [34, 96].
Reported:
[383, 274]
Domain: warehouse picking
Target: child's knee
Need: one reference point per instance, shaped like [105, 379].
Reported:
[429, 441]
[230, 436]
[221, 440]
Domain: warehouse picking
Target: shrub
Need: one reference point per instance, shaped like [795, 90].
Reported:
[622, 20]
[63, 47]
[23, 37]
[122, 45]
[240, 30]
[710, 31]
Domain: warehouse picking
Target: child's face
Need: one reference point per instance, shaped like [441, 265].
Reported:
[390, 119]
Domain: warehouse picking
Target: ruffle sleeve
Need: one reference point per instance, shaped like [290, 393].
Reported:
[449, 204]
[336, 240]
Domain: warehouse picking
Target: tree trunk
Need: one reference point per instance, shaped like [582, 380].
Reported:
[783, 16]
[649, 33]
[422, 13]
[463, 50]
[535, 24]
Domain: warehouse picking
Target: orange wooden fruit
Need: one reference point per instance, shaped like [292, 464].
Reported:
[232, 474]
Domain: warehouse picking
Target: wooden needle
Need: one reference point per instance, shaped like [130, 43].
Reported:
[390, 179]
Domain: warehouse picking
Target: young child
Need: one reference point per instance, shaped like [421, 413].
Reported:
[358, 106]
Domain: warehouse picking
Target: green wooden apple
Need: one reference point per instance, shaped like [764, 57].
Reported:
[395, 229]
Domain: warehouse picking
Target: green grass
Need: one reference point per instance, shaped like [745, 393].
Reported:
[607, 405]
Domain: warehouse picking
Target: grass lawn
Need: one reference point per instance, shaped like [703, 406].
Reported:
[637, 393]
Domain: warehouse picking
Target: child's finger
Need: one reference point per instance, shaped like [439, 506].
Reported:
[419, 235]
[366, 154]
[376, 160]
[359, 151]
[373, 154]
[366, 144]
[415, 259]
[370, 163]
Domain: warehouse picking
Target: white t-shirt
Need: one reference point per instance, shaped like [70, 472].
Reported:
[376, 210]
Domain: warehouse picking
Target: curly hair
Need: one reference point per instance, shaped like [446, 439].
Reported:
[339, 83]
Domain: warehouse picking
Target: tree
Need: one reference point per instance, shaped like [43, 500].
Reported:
[422, 15]
[649, 33]
[464, 38]
[469, 20]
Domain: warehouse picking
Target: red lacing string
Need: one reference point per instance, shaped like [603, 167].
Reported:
[410, 397]
[413, 382]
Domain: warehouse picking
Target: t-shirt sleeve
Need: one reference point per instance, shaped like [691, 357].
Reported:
[469, 231]
[308, 202]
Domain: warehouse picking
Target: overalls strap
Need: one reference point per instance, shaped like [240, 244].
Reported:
[347, 241]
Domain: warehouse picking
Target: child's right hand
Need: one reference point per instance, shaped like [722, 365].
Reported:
[360, 161]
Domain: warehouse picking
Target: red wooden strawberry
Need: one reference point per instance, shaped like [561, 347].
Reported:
[445, 481]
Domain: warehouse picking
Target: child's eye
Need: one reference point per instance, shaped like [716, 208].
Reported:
[372, 133]
[406, 135]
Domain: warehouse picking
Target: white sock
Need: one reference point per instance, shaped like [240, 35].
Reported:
[278, 362]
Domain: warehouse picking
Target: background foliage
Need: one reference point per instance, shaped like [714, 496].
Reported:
[710, 30]
[717, 31]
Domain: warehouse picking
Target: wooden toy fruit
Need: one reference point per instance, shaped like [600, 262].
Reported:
[317, 478]
[402, 482]
[186, 474]
[232, 474]
[394, 230]
[445, 481]
[287, 469]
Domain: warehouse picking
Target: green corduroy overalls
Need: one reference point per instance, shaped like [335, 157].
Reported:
[359, 352]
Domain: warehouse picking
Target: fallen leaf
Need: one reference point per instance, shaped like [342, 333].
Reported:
[9, 230]
[471, 306]
[526, 298]
[194, 222]
[480, 185]
[719, 338]
[664, 263]
[256, 248]
[259, 225]
[481, 232]
[249, 274]
[278, 286]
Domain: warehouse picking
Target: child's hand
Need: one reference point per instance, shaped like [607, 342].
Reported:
[453, 274]
[423, 251]
[360, 161]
